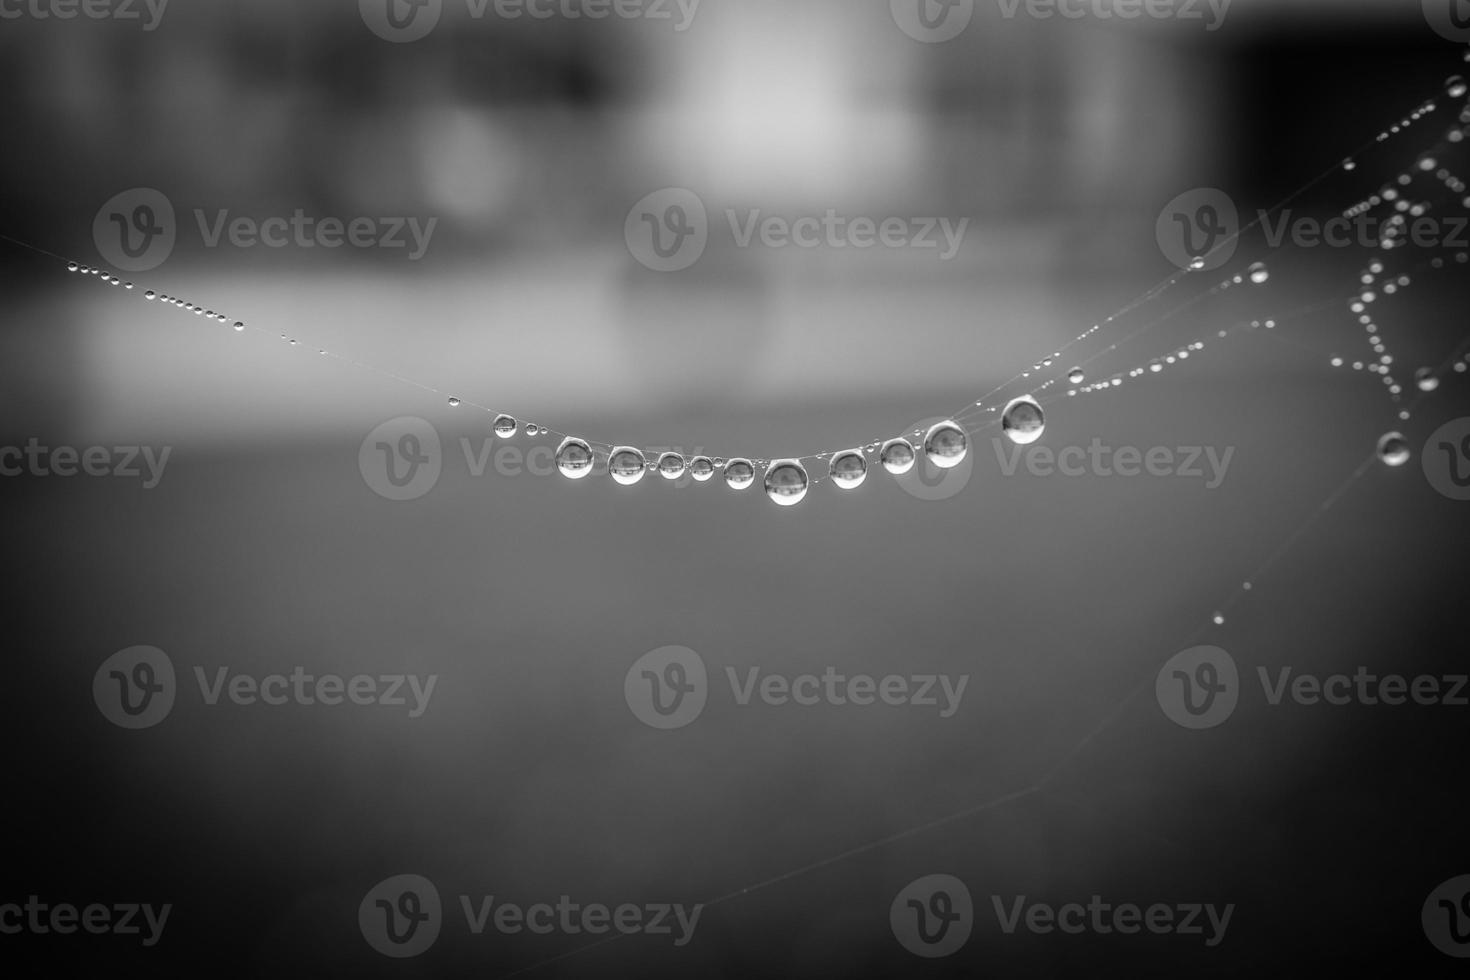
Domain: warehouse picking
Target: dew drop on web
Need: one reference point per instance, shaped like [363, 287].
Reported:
[898, 456]
[786, 482]
[671, 466]
[625, 464]
[739, 474]
[1023, 421]
[1393, 449]
[574, 459]
[849, 469]
[946, 445]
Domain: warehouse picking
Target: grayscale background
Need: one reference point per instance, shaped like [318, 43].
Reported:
[264, 549]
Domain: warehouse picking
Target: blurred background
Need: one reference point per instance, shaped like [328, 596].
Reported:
[527, 142]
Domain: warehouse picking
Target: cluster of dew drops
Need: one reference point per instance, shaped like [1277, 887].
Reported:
[945, 445]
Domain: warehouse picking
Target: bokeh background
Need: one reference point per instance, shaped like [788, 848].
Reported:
[530, 597]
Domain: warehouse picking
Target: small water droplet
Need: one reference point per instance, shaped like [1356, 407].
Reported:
[531, 429]
[786, 482]
[849, 469]
[504, 426]
[1455, 87]
[1219, 619]
[1076, 376]
[150, 294]
[701, 468]
[1259, 273]
[898, 456]
[1425, 379]
[72, 267]
[1349, 164]
[453, 402]
[626, 466]
[1197, 263]
[1023, 421]
[1393, 449]
[574, 459]
[671, 466]
[239, 326]
[739, 474]
[946, 445]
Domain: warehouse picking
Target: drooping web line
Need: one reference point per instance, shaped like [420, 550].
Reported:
[986, 412]
[1017, 408]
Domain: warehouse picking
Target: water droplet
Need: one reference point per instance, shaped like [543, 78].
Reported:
[849, 469]
[671, 466]
[454, 402]
[574, 459]
[150, 294]
[72, 267]
[1349, 164]
[1197, 263]
[739, 474]
[946, 445]
[1259, 273]
[531, 429]
[1023, 421]
[1219, 619]
[626, 464]
[239, 326]
[898, 456]
[786, 482]
[1454, 86]
[1425, 379]
[701, 468]
[505, 427]
[1393, 449]
[1076, 377]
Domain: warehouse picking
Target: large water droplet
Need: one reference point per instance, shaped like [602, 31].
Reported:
[1393, 449]
[626, 465]
[849, 469]
[1023, 421]
[1259, 273]
[671, 466]
[574, 459]
[1426, 379]
[739, 474]
[701, 468]
[786, 482]
[898, 456]
[1454, 86]
[505, 426]
[946, 445]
